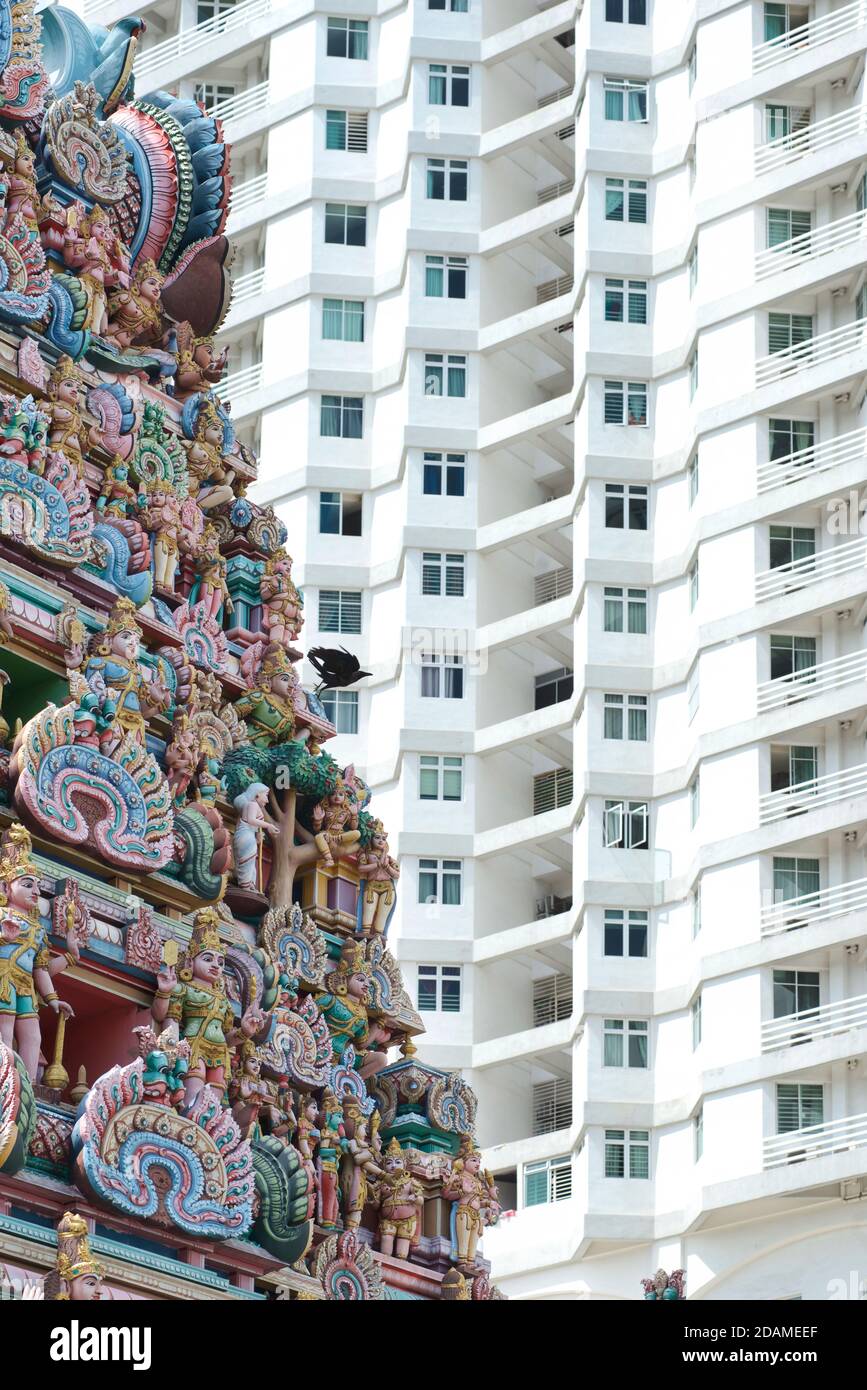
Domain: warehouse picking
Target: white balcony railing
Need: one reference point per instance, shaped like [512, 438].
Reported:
[242, 383]
[816, 458]
[812, 680]
[811, 35]
[798, 1145]
[826, 564]
[819, 241]
[247, 195]
[810, 909]
[795, 1029]
[188, 41]
[810, 139]
[244, 104]
[815, 352]
[248, 286]
[552, 585]
[554, 191]
[552, 289]
[554, 97]
[812, 795]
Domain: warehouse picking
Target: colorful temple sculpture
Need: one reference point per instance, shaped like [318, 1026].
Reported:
[209, 1085]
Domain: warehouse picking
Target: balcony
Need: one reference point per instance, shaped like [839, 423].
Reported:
[554, 191]
[188, 41]
[551, 790]
[815, 352]
[552, 1000]
[244, 104]
[811, 909]
[816, 458]
[552, 1106]
[553, 585]
[816, 1141]
[552, 289]
[812, 680]
[826, 564]
[248, 286]
[247, 195]
[811, 35]
[819, 241]
[239, 384]
[810, 139]
[813, 794]
[794, 1029]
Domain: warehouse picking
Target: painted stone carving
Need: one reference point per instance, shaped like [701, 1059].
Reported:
[87, 155]
[17, 1111]
[347, 1270]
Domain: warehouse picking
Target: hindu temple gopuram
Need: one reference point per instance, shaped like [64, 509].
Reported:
[209, 1084]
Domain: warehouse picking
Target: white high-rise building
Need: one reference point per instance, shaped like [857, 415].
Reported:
[548, 326]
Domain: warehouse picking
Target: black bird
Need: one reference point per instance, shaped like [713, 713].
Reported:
[336, 667]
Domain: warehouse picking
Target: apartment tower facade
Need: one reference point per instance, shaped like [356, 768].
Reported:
[548, 328]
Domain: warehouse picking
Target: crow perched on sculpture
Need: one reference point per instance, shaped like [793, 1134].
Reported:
[336, 667]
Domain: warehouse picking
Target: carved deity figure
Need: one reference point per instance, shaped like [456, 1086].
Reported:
[474, 1203]
[119, 691]
[199, 1011]
[379, 872]
[401, 1204]
[359, 1169]
[200, 367]
[161, 518]
[283, 606]
[27, 967]
[92, 249]
[307, 1136]
[210, 476]
[331, 1144]
[213, 588]
[67, 430]
[335, 823]
[22, 197]
[344, 1003]
[135, 313]
[270, 708]
[76, 1277]
[117, 496]
[253, 824]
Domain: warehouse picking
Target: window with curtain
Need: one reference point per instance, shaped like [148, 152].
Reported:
[692, 580]
[343, 320]
[787, 437]
[692, 479]
[445, 375]
[341, 417]
[694, 801]
[795, 877]
[442, 677]
[456, 6]
[212, 94]
[348, 38]
[439, 881]
[633, 11]
[791, 655]
[799, 1105]
[335, 130]
[796, 992]
[625, 825]
[444, 473]
[440, 778]
[695, 1012]
[446, 277]
[345, 224]
[790, 544]
[626, 200]
[340, 513]
[447, 179]
[631, 603]
[625, 1043]
[341, 707]
[448, 85]
[625, 100]
[625, 932]
[625, 712]
[698, 1134]
[626, 506]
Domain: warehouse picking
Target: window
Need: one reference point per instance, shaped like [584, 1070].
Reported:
[439, 989]
[696, 911]
[692, 693]
[698, 1134]
[692, 478]
[345, 224]
[549, 1181]
[445, 375]
[625, 932]
[783, 18]
[445, 277]
[625, 403]
[447, 179]
[454, 466]
[625, 1043]
[346, 130]
[631, 601]
[343, 320]
[626, 196]
[626, 299]
[341, 707]
[442, 574]
[552, 999]
[439, 881]
[440, 779]
[798, 1106]
[442, 677]
[781, 121]
[788, 544]
[552, 1106]
[213, 9]
[342, 417]
[627, 1153]
[340, 610]
[693, 269]
[554, 686]
[340, 513]
[693, 374]
[787, 331]
[792, 765]
[635, 707]
[456, 6]
[788, 437]
[348, 38]
[633, 11]
[795, 878]
[692, 66]
[785, 223]
[448, 85]
[626, 506]
[624, 100]
[696, 1021]
[791, 655]
[861, 302]
[211, 94]
[625, 825]
[694, 800]
[795, 992]
[693, 584]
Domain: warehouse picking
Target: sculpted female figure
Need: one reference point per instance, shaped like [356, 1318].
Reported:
[252, 825]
